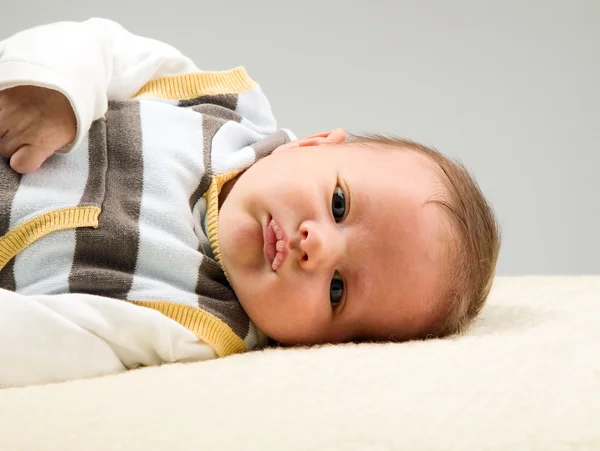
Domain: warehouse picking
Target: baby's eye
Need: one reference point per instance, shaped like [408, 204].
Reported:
[338, 204]
[336, 289]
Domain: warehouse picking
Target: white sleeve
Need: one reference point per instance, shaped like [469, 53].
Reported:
[89, 62]
[53, 338]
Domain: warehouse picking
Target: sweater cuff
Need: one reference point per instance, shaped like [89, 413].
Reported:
[17, 73]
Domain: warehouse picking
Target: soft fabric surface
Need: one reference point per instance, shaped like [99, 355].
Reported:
[527, 376]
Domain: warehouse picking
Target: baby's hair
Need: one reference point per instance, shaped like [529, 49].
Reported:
[476, 236]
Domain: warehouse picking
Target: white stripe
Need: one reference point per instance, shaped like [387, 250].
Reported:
[231, 147]
[290, 134]
[254, 107]
[168, 259]
[48, 188]
[44, 266]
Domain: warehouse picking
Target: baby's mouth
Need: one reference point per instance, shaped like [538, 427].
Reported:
[275, 248]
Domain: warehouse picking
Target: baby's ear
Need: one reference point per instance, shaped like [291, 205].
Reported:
[336, 136]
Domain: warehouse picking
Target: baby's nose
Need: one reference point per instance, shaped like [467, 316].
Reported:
[318, 246]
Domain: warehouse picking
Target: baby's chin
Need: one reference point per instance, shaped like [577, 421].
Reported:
[273, 327]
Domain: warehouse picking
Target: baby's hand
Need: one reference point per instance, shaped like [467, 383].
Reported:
[34, 123]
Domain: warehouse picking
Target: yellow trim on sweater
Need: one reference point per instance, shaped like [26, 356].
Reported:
[190, 86]
[204, 325]
[212, 213]
[30, 231]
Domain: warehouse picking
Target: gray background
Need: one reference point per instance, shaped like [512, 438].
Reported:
[510, 88]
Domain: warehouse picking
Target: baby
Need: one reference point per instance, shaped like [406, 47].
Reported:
[131, 175]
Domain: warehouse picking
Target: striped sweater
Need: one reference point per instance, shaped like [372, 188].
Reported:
[109, 253]
[132, 213]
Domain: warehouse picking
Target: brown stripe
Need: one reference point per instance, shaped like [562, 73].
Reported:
[228, 101]
[213, 118]
[264, 147]
[9, 184]
[105, 257]
[7, 276]
[98, 162]
[216, 297]
[210, 126]
[214, 293]
[218, 112]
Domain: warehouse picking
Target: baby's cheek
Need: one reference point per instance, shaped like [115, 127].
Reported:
[296, 316]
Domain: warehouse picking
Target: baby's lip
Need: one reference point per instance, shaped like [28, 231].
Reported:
[275, 243]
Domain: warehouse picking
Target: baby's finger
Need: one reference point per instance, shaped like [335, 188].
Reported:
[28, 159]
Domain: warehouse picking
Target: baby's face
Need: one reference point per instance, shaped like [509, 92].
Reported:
[334, 243]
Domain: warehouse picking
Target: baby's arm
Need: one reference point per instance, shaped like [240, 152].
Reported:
[71, 336]
[89, 62]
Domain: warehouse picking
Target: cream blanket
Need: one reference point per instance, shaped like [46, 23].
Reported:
[527, 376]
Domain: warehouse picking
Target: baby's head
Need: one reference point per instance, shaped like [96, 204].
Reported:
[336, 239]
